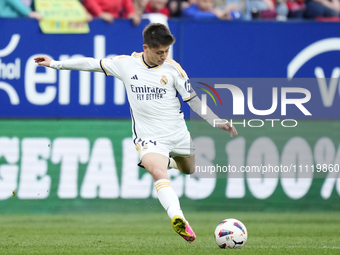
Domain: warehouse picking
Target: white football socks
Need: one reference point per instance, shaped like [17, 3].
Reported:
[168, 198]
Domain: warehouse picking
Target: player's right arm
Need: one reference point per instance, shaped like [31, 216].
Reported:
[80, 64]
[183, 86]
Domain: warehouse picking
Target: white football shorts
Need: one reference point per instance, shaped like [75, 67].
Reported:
[181, 145]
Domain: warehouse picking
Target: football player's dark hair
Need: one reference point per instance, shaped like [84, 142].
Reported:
[156, 35]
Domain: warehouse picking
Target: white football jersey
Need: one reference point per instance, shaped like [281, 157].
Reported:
[153, 94]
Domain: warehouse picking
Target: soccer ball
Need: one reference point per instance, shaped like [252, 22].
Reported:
[231, 234]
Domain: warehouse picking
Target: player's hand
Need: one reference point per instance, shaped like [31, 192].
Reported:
[228, 127]
[43, 61]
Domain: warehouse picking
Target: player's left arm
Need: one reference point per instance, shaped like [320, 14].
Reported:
[183, 86]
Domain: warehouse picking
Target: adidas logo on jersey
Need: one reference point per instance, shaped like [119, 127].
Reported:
[134, 77]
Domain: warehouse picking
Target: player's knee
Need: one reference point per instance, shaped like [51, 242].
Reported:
[158, 173]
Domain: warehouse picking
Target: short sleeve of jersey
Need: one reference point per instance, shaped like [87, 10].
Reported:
[183, 86]
[114, 66]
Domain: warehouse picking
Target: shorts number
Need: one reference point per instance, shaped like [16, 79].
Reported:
[145, 143]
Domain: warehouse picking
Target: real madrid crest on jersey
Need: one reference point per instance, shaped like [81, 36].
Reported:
[164, 80]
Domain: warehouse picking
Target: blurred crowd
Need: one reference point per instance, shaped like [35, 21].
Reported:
[109, 10]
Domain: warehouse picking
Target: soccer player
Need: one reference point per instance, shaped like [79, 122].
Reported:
[152, 82]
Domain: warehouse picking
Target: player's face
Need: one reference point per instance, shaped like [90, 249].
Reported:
[155, 56]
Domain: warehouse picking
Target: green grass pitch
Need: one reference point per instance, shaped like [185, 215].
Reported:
[151, 233]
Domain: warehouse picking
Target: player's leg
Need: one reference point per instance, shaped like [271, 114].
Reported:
[185, 165]
[179, 224]
[156, 164]
[184, 154]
